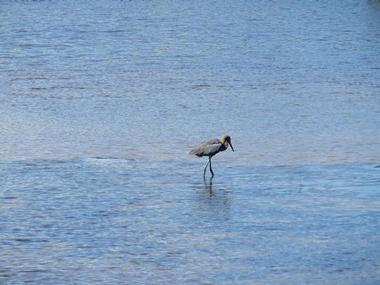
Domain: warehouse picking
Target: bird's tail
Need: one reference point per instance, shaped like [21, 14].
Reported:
[196, 152]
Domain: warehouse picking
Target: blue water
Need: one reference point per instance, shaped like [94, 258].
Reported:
[100, 102]
[103, 221]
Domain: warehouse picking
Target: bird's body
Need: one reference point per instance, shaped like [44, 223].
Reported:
[210, 148]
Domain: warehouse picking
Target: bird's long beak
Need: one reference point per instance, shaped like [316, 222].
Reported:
[231, 146]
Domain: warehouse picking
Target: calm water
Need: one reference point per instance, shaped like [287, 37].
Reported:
[101, 101]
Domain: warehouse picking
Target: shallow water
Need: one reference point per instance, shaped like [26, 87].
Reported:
[116, 221]
[101, 102]
[291, 83]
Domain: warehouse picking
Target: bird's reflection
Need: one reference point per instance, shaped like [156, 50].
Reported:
[208, 185]
[212, 198]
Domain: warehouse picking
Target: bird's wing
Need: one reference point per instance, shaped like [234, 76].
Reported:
[210, 142]
[209, 147]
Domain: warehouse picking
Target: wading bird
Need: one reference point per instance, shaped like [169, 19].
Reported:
[210, 148]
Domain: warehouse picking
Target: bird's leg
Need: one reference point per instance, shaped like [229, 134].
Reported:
[204, 171]
[212, 172]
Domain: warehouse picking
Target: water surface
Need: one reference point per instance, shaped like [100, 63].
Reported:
[291, 82]
[101, 101]
[116, 221]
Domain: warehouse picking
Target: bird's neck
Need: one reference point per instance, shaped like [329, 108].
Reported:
[225, 145]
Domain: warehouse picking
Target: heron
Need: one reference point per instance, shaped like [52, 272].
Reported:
[210, 148]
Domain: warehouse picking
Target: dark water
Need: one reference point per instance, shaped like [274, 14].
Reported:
[100, 102]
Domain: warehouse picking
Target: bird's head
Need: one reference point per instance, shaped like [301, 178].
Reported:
[226, 140]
